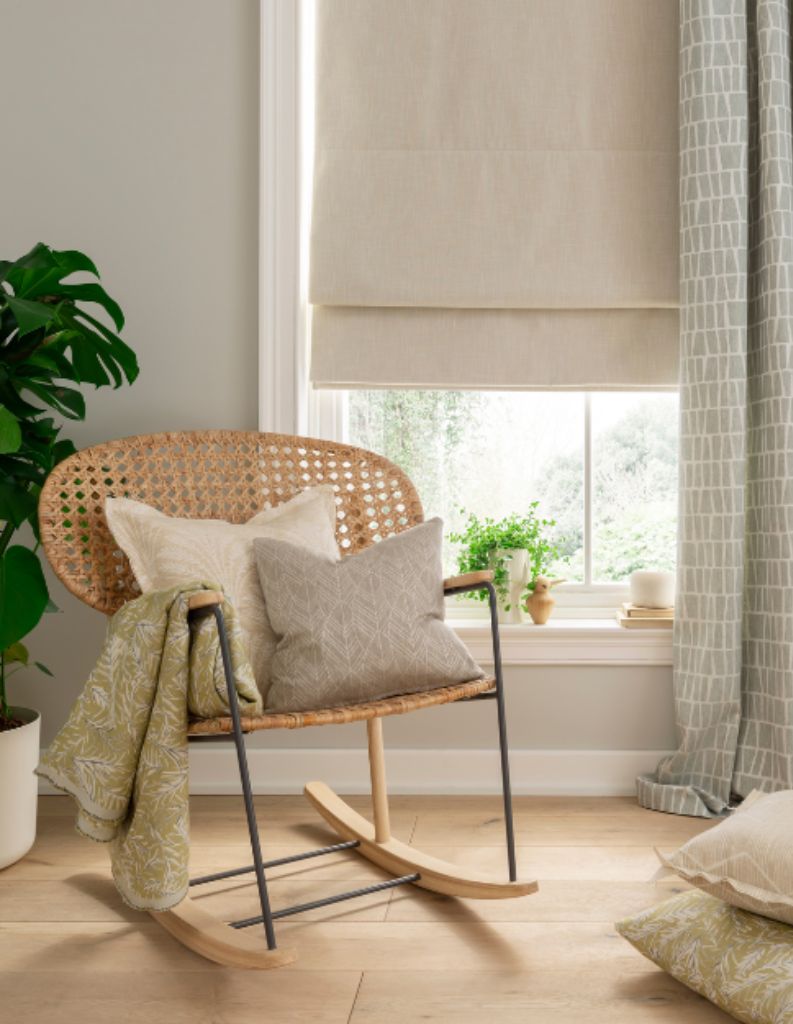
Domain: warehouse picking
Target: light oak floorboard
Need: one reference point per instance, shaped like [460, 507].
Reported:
[38, 947]
[438, 946]
[230, 829]
[569, 900]
[616, 828]
[91, 896]
[62, 858]
[611, 863]
[57, 860]
[71, 952]
[161, 996]
[543, 997]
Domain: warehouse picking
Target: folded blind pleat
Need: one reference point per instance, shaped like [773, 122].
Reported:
[501, 349]
[495, 194]
[495, 230]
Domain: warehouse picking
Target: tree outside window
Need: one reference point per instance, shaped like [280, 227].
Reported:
[493, 453]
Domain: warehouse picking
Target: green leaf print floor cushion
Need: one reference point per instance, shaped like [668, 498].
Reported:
[740, 961]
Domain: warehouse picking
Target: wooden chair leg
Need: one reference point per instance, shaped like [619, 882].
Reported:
[378, 845]
[382, 821]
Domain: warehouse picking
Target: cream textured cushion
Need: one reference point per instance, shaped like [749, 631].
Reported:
[747, 860]
[741, 962]
[165, 552]
[360, 629]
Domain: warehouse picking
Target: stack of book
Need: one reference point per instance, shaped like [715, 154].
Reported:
[631, 616]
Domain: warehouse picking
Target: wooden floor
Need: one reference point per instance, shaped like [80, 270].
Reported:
[71, 952]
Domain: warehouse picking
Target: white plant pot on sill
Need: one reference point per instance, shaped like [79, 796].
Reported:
[516, 562]
[19, 755]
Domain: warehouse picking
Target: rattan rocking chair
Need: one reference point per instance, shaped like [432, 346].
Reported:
[232, 475]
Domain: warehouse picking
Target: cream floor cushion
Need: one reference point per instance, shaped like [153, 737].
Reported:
[165, 551]
[746, 860]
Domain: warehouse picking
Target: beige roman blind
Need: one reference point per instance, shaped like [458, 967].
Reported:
[495, 194]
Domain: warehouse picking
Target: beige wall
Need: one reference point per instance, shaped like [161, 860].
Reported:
[130, 131]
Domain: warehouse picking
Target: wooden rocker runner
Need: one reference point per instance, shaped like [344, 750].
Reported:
[232, 475]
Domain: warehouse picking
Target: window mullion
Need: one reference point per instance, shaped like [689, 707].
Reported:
[587, 489]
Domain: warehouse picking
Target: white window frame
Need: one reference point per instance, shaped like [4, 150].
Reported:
[287, 402]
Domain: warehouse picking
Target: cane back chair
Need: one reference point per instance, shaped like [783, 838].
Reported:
[232, 475]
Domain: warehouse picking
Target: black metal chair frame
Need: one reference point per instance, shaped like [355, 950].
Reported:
[259, 867]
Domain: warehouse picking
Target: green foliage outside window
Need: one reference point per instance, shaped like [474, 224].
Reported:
[439, 439]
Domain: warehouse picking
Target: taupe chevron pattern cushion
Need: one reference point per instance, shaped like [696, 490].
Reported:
[360, 629]
[166, 551]
[747, 860]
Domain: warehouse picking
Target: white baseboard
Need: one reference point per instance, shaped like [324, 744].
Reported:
[213, 770]
[534, 772]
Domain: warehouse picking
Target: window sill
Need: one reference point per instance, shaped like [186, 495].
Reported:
[567, 642]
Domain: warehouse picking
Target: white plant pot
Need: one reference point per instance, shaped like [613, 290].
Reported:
[517, 566]
[19, 755]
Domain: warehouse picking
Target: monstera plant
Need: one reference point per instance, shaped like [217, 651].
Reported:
[58, 332]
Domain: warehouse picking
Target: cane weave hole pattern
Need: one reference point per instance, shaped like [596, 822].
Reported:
[218, 474]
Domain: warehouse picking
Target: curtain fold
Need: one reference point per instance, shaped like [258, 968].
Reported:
[733, 660]
[483, 169]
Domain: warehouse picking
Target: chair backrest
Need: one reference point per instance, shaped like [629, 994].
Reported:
[214, 474]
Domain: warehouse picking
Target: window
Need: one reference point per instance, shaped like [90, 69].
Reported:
[602, 466]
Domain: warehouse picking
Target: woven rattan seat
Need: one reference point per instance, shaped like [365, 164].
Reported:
[400, 705]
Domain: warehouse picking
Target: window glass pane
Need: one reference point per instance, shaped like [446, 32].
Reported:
[634, 483]
[488, 452]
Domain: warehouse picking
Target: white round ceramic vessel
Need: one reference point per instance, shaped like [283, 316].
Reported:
[517, 565]
[650, 589]
[19, 755]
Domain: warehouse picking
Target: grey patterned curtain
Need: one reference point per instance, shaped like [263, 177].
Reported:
[734, 632]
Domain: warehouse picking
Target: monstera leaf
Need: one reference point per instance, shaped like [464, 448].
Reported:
[10, 431]
[58, 332]
[23, 594]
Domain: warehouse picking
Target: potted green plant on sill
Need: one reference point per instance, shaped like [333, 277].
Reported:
[49, 342]
[516, 548]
